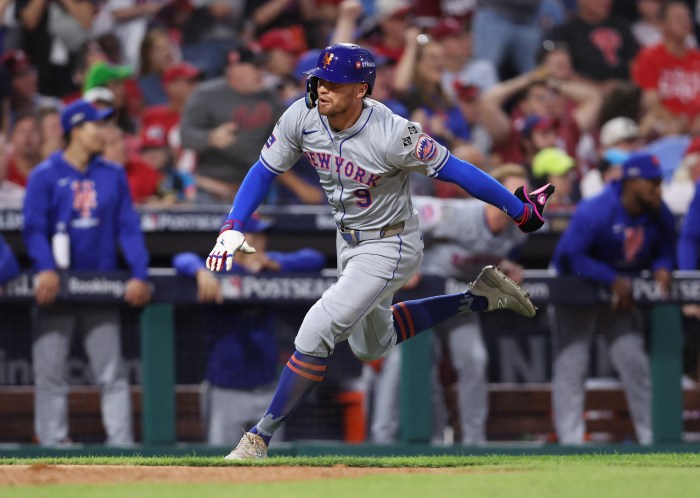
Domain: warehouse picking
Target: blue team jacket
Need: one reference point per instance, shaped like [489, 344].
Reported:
[689, 240]
[603, 241]
[241, 343]
[96, 209]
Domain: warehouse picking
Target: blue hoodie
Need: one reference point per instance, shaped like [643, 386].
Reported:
[602, 241]
[689, 240]
[96, 209]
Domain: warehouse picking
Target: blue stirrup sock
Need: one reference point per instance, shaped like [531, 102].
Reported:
[414, 317]
[299, 378]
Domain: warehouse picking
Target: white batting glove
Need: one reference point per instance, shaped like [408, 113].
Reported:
[228, 243]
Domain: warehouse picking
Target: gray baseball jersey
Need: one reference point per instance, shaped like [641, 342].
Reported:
[364, 170]
[458, 241]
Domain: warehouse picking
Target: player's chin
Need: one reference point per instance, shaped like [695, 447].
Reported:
[324, 108]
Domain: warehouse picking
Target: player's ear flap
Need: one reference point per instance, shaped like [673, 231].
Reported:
[311, 92]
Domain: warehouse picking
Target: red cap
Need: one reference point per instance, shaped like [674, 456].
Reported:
[446, 28]
[153, 136]
[182, 70]
[465, 91]
[16, 62]
[694, 146]
[282, 39]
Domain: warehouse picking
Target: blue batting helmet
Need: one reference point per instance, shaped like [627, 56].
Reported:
[346, 63]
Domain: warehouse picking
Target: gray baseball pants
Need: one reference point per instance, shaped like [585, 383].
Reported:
[232, 411]
[469, 357]
[462, 335]
[53, 328]
[357, 308]
[573, 329]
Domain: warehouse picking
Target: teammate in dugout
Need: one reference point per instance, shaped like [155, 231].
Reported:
[364, 155]
[76, 210]
[611, 237]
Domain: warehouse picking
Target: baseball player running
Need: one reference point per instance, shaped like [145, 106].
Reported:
[364, 156]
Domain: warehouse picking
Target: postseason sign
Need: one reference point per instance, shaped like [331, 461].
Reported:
[544, 288]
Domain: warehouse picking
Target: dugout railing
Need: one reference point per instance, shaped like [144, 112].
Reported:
[157, 341]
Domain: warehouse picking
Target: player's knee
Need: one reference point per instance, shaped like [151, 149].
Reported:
[315, 336]
[365, 354]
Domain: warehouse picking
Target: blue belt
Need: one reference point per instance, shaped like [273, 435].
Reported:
[352, 236]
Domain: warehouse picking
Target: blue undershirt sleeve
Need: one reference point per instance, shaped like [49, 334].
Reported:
[480, 185]
[187, 263]
[250, 195]
[301, 260]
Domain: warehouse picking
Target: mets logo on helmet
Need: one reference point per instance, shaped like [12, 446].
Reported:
[327, 59]
[425, 149]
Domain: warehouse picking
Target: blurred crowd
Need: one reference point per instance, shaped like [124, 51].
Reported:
[566, 88]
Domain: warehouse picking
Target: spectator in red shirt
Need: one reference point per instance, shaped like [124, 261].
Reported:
[25, 141]
[11, 194]
[143, 179]
[178, 81]
[669, 74]
[174, 186]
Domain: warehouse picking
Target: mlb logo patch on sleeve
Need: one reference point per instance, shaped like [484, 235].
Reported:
[270, 140]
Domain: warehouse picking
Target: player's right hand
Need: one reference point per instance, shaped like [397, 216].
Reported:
[137, 292]
[46, 287]
[228, 243]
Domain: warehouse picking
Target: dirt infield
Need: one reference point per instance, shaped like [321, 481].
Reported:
[116, 474]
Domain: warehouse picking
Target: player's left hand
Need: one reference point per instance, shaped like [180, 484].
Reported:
[228, 243]
[137, 292]
[534, 202]
[663, 278]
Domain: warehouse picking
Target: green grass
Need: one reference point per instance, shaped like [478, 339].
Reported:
[672, 460]
[600, 476]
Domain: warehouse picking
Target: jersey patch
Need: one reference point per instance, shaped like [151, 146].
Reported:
[406, 141]
[425, 149]
[84, 197]
[412, 130]
[270, 140]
